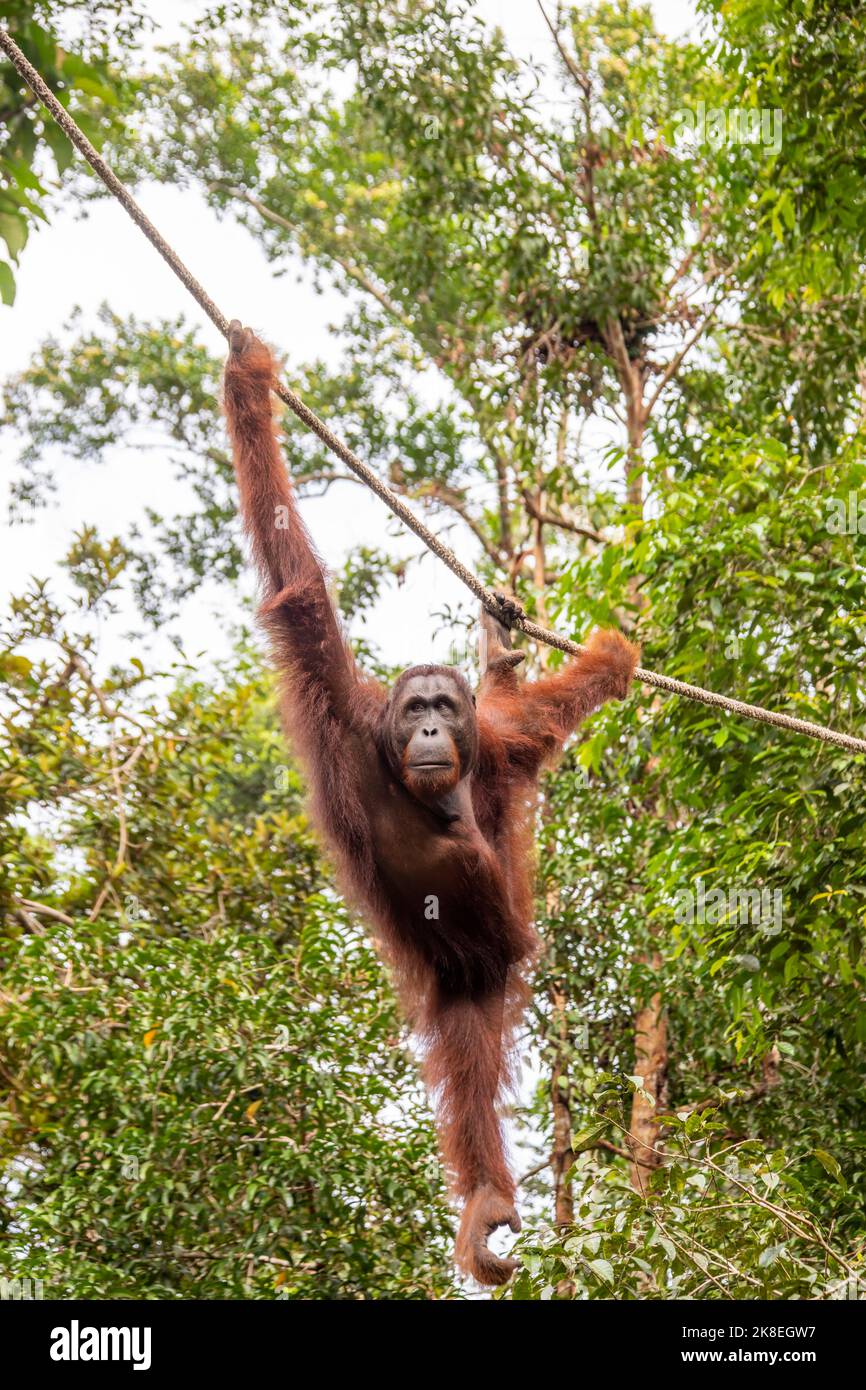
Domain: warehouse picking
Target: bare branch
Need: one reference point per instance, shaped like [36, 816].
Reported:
[445, 496]
[511, 134]
[580, 78]
[551, 519]
[686, 263]
[42, 910]
[673, 366]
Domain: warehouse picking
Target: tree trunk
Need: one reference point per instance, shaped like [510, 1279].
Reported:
[561, 1158]
[650, 1027]
[651, 1059]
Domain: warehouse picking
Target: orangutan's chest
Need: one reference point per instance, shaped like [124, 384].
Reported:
[419, 854]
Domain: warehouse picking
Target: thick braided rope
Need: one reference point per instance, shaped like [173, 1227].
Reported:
[361, 469]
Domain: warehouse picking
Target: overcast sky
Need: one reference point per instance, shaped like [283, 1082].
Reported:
[105, 258]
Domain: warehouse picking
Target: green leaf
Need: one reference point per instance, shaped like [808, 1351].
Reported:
[831, 1164]
[7, 284]
[603, 1268]
[13, 230]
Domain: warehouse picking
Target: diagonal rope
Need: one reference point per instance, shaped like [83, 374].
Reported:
[362, 470]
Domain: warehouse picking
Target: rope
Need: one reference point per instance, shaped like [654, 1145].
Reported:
[491, 601]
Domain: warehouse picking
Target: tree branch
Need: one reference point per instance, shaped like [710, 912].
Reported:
[673, 367]
[580, 78]
[552, 519]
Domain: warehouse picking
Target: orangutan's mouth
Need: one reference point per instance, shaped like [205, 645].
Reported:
[418, 767]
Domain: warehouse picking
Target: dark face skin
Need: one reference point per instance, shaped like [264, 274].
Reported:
[433, 730]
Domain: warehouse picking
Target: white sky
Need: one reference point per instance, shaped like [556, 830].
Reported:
[105, 258]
